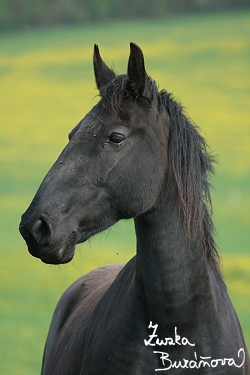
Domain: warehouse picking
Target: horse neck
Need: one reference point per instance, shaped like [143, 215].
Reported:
[171, 271]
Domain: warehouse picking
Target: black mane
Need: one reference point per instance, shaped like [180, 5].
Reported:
[192, 166]
[191, 162]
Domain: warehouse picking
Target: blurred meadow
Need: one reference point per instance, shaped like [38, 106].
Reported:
[47, 86]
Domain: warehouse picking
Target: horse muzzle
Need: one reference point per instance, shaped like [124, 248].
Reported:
[43, 243]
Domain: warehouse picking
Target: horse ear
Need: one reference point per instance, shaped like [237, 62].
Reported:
[139, 81]
[103, 74]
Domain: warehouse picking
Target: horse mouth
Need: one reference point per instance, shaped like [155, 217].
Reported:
[65, 253]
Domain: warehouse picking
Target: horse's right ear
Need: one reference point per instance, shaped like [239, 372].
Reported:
[103, 74]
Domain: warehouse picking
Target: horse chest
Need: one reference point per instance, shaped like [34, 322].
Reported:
[121, 351]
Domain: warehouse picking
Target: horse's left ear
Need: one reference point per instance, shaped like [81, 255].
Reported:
[103, 74]
[139, 82]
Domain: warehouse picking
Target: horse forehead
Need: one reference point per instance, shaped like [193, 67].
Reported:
[93, 121]
[100, 116]
[130, 114]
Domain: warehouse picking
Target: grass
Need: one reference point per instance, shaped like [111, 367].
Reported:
[47, 85]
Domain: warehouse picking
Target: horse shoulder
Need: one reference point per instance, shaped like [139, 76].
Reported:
[90, 288]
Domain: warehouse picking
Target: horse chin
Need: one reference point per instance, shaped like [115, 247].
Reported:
[65, 253]
[60, 257]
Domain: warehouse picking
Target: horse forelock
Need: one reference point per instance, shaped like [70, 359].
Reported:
[114, 93]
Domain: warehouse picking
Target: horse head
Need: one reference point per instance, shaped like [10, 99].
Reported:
[113, 166]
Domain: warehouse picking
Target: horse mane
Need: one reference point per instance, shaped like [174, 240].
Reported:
[190, 160]
[192, 166]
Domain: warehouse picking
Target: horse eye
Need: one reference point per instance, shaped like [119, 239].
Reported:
[116, 138]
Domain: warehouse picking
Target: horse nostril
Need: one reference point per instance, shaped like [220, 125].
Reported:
[41, 230]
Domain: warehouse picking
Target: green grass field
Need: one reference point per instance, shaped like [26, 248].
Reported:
[47, 85]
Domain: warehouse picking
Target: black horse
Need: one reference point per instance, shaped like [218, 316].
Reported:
[136, 155]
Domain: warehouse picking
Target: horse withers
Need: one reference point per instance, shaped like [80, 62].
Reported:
[136, 155]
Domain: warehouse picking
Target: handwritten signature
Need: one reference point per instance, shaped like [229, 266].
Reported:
[197, 362]
[178, 340]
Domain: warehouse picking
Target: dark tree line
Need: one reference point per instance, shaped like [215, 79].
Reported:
[21, 14]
